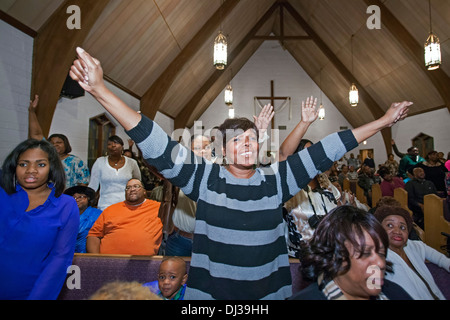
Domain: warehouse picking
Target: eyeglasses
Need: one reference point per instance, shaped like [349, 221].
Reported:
[79, 197]
[134, 187]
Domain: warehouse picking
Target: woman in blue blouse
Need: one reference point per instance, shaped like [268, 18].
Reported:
[38, 224]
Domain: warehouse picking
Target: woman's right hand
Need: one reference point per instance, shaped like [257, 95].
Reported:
[87, 71]
[309, 112]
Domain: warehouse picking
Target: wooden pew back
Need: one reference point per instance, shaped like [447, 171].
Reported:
[376, 193]
[435, 222]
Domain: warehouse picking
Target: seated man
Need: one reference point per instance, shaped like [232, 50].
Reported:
[365, 180]
[128, 227]
[417, 188]
[84, 196]
[352, 174]
[389, 183]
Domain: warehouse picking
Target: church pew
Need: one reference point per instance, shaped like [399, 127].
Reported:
[346, 185]
[376, 193]
[91, 271]
[349, 185]
[401, 195]
[360, 194]
[435, 222]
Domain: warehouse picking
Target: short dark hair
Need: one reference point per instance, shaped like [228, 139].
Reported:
[56, 173]
[431, 152]
[326, 253]
[116, 139]
[302, 145]
[382, 212]
[67, 146]
[383, 171]
[235, 124]
[387, 201]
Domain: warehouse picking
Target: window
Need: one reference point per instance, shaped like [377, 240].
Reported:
[424, 143]
[100, 129]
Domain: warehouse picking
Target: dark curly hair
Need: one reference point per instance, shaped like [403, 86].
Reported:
[382, 212]
[326, 253]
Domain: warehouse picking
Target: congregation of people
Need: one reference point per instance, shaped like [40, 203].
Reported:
[237, 221]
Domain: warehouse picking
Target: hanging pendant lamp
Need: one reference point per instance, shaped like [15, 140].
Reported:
[432, 48]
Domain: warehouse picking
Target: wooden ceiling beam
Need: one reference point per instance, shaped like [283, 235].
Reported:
[182, 119]
[373, 106]
[54, 53]
[151, 100]
[375, 109]
[439, 78]
[282, 38]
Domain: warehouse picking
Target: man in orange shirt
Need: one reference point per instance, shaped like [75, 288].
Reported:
[129, 227]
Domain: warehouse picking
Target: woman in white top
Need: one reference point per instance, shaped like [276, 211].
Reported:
[111, 174]
[408, 256]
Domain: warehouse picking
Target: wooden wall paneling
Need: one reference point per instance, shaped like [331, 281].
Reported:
[182, 119]
[415, 50]
[373, 106]
[151, 100]
[31, 13]
[54, 53]
[200, 67]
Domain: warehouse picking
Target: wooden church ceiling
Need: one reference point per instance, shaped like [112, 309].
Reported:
[160, 51]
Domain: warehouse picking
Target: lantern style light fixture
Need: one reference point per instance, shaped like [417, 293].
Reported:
[353, 95]
[321, 112]
[229, 95]
[432, 48]
[220, 51]
[231, 112]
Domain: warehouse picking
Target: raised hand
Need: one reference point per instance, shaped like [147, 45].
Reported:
[309, 112]
[34, 103]
[397, 112]
[264, 118]
[87, 71]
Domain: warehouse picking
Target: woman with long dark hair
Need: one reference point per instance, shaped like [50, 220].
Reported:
[38, 224]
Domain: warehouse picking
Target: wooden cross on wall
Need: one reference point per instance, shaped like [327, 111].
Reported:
[272, 99]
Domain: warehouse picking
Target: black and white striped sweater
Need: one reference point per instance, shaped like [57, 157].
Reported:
[239, 249]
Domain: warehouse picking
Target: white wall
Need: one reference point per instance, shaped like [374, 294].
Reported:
[72, 119]
[291, 80]
[72, 116]
[16, 52]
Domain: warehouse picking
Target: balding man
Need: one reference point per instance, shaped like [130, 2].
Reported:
[129, 227]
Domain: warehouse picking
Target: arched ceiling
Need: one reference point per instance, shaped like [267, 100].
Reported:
[160, 51]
